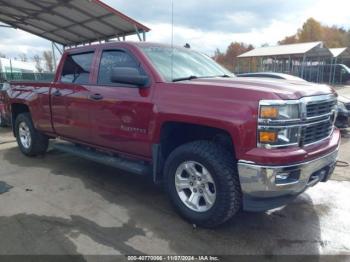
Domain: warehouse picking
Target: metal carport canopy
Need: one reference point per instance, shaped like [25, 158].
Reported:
[343, 52]
[311, 49]
[69, 22]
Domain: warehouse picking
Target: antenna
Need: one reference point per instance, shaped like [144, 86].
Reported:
[172, 39]
[172, 23]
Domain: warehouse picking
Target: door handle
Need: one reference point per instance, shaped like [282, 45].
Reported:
[57, 93]
[96, 97]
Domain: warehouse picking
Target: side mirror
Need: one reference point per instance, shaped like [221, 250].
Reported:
[128, 75]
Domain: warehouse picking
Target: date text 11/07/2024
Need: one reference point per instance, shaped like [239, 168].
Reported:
[173, 258]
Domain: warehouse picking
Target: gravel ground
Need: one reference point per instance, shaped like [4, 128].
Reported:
[60, 204]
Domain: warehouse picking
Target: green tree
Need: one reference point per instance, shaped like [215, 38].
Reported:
[229, 58]
[47, 55]
[219, 57]
[37, 60]
[311, 31]
[288, 40]
[23, 57]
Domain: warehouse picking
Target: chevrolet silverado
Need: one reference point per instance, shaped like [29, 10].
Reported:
[216, 142]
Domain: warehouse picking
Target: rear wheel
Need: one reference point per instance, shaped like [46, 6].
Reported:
[202, 182]
[30, 141]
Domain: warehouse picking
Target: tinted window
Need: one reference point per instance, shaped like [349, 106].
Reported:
[76, 68]
[113, 59]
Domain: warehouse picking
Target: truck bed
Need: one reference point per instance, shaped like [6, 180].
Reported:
[36, 96]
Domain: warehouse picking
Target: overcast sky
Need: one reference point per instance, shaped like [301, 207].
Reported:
[208, 24]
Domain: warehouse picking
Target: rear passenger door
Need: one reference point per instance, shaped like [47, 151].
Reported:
[122, 114]
[70, 97]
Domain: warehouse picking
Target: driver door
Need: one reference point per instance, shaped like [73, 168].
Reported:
[121, 114]
[70, 98]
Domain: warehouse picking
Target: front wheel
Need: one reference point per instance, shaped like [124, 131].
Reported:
[30, 141]
[202, 182]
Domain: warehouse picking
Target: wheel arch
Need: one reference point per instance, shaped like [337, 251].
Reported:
[16, 109]
[172, 134]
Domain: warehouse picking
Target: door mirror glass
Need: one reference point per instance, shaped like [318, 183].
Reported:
[128, 75]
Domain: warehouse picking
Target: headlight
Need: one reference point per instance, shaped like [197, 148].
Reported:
[279, 112]
[273, 132]
[278, 137]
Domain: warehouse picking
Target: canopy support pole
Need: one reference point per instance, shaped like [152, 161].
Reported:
[58, 49]
[138, 33]
[54, 46]
[334, 70]
[302, 66]
[330, 71]
[53, 56]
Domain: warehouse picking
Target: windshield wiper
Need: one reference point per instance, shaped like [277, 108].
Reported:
[196, 77]
[184, 78]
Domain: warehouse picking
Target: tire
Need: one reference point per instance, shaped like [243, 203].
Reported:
[206, 157]
[38, 143]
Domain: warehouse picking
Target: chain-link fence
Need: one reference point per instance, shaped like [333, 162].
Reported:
[40, 77]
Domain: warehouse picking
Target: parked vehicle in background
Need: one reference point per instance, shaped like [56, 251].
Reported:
[343, 106]
[272, 75]
[216, 142]
[336, 74]
[4, 116]
[343, 118]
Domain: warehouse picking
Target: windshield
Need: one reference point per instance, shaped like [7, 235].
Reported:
[181, 63]
[346, 68]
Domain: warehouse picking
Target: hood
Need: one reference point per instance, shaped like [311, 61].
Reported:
[283, 89]
[344, 99]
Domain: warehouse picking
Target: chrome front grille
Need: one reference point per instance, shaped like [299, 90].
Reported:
[320, 117]
[320, 108]
[314, 123]
[316, 132]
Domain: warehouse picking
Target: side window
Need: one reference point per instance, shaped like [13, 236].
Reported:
[112, 59]
[76, 68]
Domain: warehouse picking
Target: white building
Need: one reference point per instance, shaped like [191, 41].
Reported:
[9, 66]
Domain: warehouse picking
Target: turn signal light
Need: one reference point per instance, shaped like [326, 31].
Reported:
[267, 136]
[268, 112]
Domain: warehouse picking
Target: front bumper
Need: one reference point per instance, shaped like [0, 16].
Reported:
[268, 187]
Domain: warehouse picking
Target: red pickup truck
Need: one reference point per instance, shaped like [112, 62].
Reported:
[218, 143]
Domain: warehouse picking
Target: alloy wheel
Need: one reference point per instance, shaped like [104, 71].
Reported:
[195, 186]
